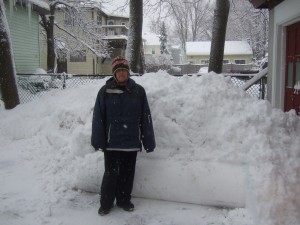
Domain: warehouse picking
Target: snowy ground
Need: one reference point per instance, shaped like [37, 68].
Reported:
[216, 146]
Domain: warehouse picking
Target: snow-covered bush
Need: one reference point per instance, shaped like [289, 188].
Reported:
[154, 63]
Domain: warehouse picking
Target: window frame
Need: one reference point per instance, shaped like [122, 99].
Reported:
[80, 56]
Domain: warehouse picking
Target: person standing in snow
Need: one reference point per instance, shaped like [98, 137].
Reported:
[122, 123]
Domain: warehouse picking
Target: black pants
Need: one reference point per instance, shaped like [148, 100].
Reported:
[117, 182]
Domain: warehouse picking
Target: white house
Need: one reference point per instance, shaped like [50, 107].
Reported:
[151, 44]
[284, 53]
[237, 52]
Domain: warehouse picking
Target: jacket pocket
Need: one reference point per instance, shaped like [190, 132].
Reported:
[126, 134]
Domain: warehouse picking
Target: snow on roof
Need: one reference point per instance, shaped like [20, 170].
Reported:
[115, 37]
[151, 39]
[114, 9]
[40, 3]
[231, 48]
[175, 46]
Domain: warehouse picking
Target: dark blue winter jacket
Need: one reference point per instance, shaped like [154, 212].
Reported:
[122, 119]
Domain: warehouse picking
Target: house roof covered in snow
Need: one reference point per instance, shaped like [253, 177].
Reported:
[231, 48]
[112, 9]
[38, 5]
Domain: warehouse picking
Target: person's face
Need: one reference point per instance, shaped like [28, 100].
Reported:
[122, 76]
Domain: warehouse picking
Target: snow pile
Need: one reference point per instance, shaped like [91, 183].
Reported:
[2, 107]
[200, 123]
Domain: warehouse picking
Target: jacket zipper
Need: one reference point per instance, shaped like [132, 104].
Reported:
[108, 135]
[139, 132]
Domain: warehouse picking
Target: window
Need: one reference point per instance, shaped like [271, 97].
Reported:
[240, 61]
[61, 55]
[205, 61]
[225, 61]
[123, 31]
[110, 22]
[111, 31]
[297, 72]
[99, 19]
[153, 51]
[290, 75]
[78, 56]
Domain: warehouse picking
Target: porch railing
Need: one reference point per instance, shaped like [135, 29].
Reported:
[254, 81]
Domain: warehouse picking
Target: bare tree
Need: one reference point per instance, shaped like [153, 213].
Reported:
[218, 36]
[48, 25]
[190, 18]
[8, 86]
[244, 22]
[180, 14]
[82, 32]
[163, 38]
[248, 23]
[199, 15]
[134, 51]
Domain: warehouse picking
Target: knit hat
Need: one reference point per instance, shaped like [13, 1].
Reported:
[119, 63]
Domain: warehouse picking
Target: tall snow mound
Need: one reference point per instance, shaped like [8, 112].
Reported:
[201, 123]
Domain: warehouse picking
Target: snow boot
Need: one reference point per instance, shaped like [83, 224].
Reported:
[129, 207]
[103, 211]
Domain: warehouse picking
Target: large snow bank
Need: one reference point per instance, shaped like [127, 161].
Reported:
[209, 134]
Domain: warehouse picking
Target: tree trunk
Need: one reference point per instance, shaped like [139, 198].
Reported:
[218, 36]
[48, 25]
[8, 85]
[142, 60]
[50, 41]
[133, 51]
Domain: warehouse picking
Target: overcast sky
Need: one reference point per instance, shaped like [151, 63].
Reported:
[119, 7]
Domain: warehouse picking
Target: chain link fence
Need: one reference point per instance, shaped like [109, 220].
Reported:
[258, 90]
[32, 86]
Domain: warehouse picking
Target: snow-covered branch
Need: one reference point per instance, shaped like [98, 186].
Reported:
[97, 49]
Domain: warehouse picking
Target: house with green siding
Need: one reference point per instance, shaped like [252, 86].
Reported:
[23, 23]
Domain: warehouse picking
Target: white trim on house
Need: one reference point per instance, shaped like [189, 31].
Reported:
[283, 15]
